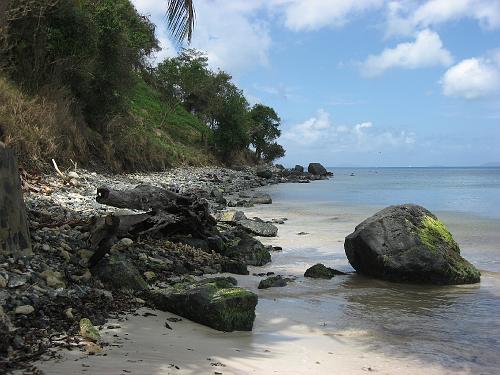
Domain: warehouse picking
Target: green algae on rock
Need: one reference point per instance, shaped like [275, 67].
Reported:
[88, 331]
[215, 302]
[320, 271]
[407, 243]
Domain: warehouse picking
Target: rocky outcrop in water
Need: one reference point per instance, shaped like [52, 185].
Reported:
[273, 282]
[320, 271]
[407, 243]
[217, 303]
[317, 169]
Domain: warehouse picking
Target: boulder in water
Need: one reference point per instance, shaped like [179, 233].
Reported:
[320, 271]
[317, 169]
[407, 243]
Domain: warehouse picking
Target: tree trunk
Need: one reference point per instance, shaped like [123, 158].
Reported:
[14, 234]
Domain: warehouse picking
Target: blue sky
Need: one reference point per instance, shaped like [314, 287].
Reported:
[362, 82]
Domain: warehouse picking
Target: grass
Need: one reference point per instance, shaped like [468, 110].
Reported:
[153, 135]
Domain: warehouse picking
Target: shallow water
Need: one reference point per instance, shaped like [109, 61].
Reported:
[456, 327]
[350, 324]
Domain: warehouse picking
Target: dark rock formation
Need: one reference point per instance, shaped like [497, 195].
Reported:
[120, 273]
[216, 303]
[272, 282]
[407, 243]
[317, 169]
[247, 249]
[320, 271]
[259, 228]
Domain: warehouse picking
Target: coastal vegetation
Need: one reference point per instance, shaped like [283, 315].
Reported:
[79, 83]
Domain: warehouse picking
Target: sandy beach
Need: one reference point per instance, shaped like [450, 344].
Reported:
[308, 327]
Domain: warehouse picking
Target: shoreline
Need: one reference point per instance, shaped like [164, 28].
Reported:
[302, 340]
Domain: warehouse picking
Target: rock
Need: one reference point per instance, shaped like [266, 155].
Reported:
[320, 271]
[212, 302]
[272, 282]
[5, 328]
[120, 273]
[259, 228]
[3, 282]
[69, 313]
[317, 169]
[261, 198]
[299, 168]
[231, 216]
[24, 310]
[73, 174]
[264, 173]
[149, 275]
[53, 279]
[219, 197]
[17, 280]
[122, 245]
[248, 250]
[234, 266]
[407, 243]
[88, 331]
[279, 167]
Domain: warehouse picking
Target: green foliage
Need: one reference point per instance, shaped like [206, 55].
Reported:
[264, 129]
[89, 60]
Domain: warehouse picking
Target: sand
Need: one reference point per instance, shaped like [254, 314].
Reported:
[292, 333]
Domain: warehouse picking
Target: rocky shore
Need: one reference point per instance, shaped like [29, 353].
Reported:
[74, 282]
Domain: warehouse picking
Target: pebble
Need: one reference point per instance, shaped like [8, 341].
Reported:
[24, 310]
[3, 282]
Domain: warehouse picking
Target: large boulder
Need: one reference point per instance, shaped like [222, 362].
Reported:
[259, 228]
[317, 169]
[216, 303]
[320, 271]
[407, 243]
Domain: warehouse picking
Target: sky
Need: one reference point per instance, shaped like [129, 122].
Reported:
[361, 82]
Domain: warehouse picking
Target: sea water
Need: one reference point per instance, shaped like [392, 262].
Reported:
[455, 327]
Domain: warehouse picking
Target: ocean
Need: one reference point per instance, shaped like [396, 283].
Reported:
[452, 328]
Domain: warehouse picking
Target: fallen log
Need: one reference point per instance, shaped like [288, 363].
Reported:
[171, 214]
[142, 197]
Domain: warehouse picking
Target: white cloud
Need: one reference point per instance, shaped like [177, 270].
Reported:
[320, 134]
[406, 16]
[472, 78]
[427, 50]
[315, 14]
[229, 31]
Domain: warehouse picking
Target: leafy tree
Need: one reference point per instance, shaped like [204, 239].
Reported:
[273, 151]
[231, 133]
[264, 127]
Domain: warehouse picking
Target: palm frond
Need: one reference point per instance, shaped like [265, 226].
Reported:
[180, 19]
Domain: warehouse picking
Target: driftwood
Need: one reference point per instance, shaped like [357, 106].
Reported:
[142, 197]
[171, 214]
[14, 234]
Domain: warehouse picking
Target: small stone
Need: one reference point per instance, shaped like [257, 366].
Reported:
[88, 331]
[93, 348]
[69, 313]
[24, 310]
[65, 255]
[149, 275]
[3, 282]
[45, 247]
[53, 279]
[73, 174]
[85, 254]
[140, 301]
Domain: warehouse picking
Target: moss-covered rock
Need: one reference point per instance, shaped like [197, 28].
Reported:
[320, 271]
[247, 249]
[215, 302]
[407, 243]
[88, 331]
